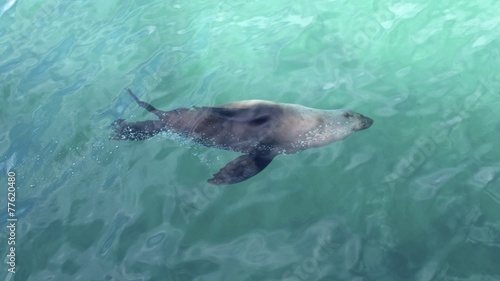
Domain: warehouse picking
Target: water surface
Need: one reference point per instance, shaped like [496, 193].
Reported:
[415, 197]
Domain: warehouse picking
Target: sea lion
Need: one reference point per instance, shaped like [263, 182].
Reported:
[259, 129]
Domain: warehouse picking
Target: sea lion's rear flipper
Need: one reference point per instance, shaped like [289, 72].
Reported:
[146, 105]
[242, 168]
[135, 130]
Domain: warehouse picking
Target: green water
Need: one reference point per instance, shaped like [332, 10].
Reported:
[414, 197]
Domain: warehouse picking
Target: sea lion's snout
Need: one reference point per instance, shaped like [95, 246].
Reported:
[366, 122]
[357, 121]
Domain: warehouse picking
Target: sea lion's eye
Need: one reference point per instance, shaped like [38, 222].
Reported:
[347, 115]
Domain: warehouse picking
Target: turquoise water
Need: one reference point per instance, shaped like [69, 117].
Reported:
[414, 197]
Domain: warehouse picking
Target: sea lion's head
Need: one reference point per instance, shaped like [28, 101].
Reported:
[327, 126]
[355, 121]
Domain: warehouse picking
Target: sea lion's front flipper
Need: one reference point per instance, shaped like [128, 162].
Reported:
[242, 168]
